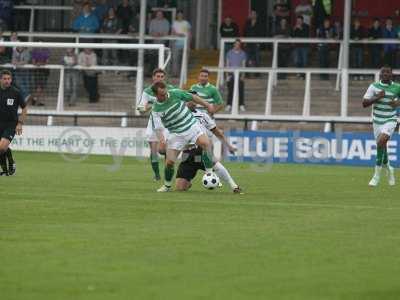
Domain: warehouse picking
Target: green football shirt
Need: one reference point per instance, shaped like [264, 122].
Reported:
[209, 93]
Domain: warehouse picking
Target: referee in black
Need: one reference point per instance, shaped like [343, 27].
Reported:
[10, 101]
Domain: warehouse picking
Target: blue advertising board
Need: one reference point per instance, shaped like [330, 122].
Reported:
[342, 148]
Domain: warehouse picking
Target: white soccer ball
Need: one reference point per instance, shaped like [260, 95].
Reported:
[210, 180]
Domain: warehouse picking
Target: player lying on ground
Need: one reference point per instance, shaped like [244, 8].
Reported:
[10, 100]
[170, 108]
[191, 158]
[382, 96]
[145, 105]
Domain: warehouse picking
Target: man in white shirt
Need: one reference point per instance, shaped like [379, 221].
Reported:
[181, 28]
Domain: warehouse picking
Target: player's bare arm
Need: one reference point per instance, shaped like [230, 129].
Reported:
[369, 102]
[200, 101]
[220, 135]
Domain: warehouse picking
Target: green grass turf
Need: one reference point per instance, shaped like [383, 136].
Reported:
[79, 231]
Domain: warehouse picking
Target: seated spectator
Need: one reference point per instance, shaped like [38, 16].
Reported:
[71, 76]
[111, 25]
[236, 58]
[375, 50]
[20, 57]
[228, 29]
[389, 50]
[253, 28]
[88, 58]
[180, 27]
[325, 32]
[159, 27]
[40, 57]
[6, 14]
[356, 50]
[301, 30]
[281, 11]
[305, 9]
[86, 22]
[125, 13]
[283, 31]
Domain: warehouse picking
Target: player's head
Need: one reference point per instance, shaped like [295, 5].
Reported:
[5, 78]
[203, 76]
[160, 90]
[386, 74]
[158, 75]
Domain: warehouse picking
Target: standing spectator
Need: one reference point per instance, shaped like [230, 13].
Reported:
[283, 31]
[325, 32]
[88, 58]
[305, 9]
[236, 58]
[322, 9]
[180, 27]
[40, 57]
[20, 57]
[253, 28]
[301, 30]
[86, 22]
[356, 50]
[71, 76]
[111, 25]
[389, 50]
[281, 11]
[374, 33]
[125, 14]
[228, 29]
[6, 14]
[159, 27]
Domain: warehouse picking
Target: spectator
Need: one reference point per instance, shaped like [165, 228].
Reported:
[21, 57]
[180, 27]
[325, 32]
[111, 25]
[100, 10]
[40, 57]
[125, 14]
[88, 58]
[322, 9]
[71, 76]
[305, 9]
[337, 30]
[236, 58]
[301, 30]
[228, 29]
[283, 31]
[6, 14]
[253, 28]
[389, 50]
[76, 9]
[86, 22]
[356, 50]
[281, 11]
[374, 33]
[159, 27]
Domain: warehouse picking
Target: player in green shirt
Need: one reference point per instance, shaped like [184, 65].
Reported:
[146, 102]
[383, 96]
[207, 91]
[170, 108]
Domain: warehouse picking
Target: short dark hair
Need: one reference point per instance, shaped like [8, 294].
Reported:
[204, 70]
[158, 70]
[158, 85]
[300, 17]
[5, 72]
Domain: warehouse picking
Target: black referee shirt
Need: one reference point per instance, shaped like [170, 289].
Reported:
[10, 100]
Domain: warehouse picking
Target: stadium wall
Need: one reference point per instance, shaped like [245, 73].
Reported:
[253, 146]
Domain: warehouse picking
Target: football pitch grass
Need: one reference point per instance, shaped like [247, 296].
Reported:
[90, 231]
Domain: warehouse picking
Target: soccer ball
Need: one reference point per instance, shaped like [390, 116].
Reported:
[210, 181]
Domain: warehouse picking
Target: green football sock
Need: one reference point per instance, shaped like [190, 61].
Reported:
[155, 165]
[385, 159]
[9, 156]
[207, 160]
[169, 174]
[379, 156]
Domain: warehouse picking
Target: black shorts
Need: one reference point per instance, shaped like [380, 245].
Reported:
[188, 169]
[7, 132]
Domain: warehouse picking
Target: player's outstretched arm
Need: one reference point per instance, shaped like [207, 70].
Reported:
[200, 101]
[395, 103]
[220, 135]
[372, 100]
